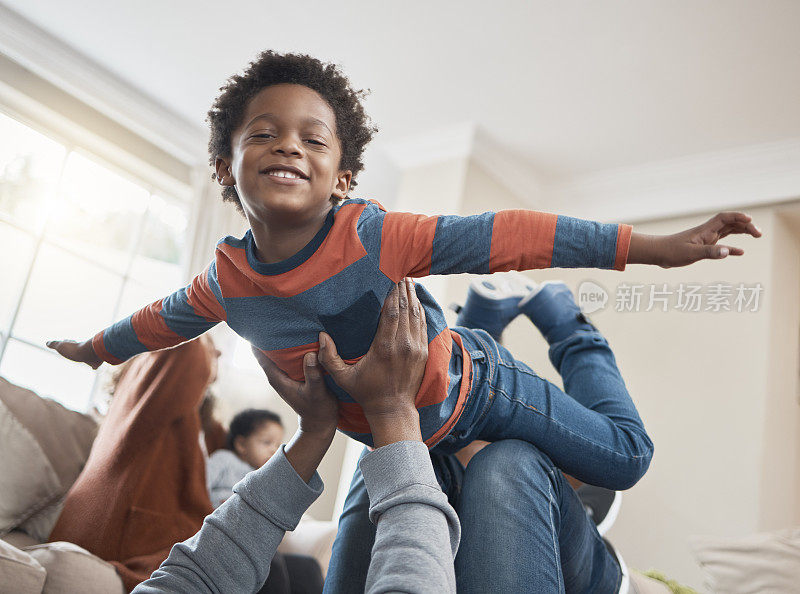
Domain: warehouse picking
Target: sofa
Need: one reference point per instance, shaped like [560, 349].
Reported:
[43, 448]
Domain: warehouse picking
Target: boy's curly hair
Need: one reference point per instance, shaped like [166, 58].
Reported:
[354, 128]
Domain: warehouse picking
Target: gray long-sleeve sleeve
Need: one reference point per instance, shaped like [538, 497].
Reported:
[417, 535]
[233, 550]
[417, 530]
[223, 470]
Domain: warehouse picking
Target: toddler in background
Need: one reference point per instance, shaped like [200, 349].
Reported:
[254, 436]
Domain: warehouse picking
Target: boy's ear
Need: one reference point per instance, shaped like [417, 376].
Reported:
[342, 186]
[224, 176]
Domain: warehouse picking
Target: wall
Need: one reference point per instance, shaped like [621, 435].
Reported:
[699, 380]
[780, 457]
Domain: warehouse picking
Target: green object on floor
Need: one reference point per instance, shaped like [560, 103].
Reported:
[671, 584]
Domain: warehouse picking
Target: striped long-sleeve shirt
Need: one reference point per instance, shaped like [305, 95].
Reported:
[338, 282]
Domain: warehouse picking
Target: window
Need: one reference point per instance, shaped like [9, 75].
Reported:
[81, 246]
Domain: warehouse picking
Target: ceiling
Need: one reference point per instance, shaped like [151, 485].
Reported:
[568, 87]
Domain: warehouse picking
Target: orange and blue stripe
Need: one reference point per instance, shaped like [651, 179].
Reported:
[338, 283]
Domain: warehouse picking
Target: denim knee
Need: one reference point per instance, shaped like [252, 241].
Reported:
[509, 462]
[514, 462]
[632, 467]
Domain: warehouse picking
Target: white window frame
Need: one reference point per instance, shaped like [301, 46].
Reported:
[40, 237]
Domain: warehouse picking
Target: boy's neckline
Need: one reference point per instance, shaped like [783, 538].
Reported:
[291, 262]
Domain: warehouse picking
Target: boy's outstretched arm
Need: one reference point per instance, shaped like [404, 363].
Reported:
[82, 352]
[692, 245]
[418, 245]
[178, 318]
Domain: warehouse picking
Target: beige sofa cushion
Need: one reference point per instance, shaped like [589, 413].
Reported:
[19, 572]
[64, 435]
[50, 444]
[768, 562]
[29, 482]
[72, 569]
[41, 524]
[19, 539]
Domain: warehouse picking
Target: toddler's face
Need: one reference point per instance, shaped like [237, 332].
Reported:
[260, 445]
[287, 128]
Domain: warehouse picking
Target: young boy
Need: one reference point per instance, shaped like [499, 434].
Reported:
[254, 436]
[287, 137]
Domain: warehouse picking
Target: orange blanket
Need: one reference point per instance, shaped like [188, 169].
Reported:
[143, 487]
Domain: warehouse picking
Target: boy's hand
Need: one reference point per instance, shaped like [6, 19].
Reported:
[692, 245]
[311, 399]
[386, 380]
[82, 352]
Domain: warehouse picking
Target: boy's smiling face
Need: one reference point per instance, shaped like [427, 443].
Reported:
[285, 157]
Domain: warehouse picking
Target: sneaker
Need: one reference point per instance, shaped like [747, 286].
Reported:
[552, 309]
[492, 302]
[601, 504]
[625, 582]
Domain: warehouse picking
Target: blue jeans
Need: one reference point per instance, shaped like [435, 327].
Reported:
[590, 430]
[523, 528]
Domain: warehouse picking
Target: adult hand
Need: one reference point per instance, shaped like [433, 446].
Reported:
[314, 404]
[82, 352]
[386, 380]
[692, 245]
[311, 400]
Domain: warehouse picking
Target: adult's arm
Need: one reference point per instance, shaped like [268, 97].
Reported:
[417, 530]
[233, 549]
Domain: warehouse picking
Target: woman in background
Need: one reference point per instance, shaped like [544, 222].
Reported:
[143, 487]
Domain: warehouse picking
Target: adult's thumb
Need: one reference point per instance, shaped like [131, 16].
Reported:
[329, 356]
[311, 369]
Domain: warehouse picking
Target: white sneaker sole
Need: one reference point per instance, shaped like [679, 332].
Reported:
[538, 288]
[625, 582]
[503, 285]
[611, 516]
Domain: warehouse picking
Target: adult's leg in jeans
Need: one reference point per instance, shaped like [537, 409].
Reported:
[352, 549]
[590, 429]
[523, 528]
